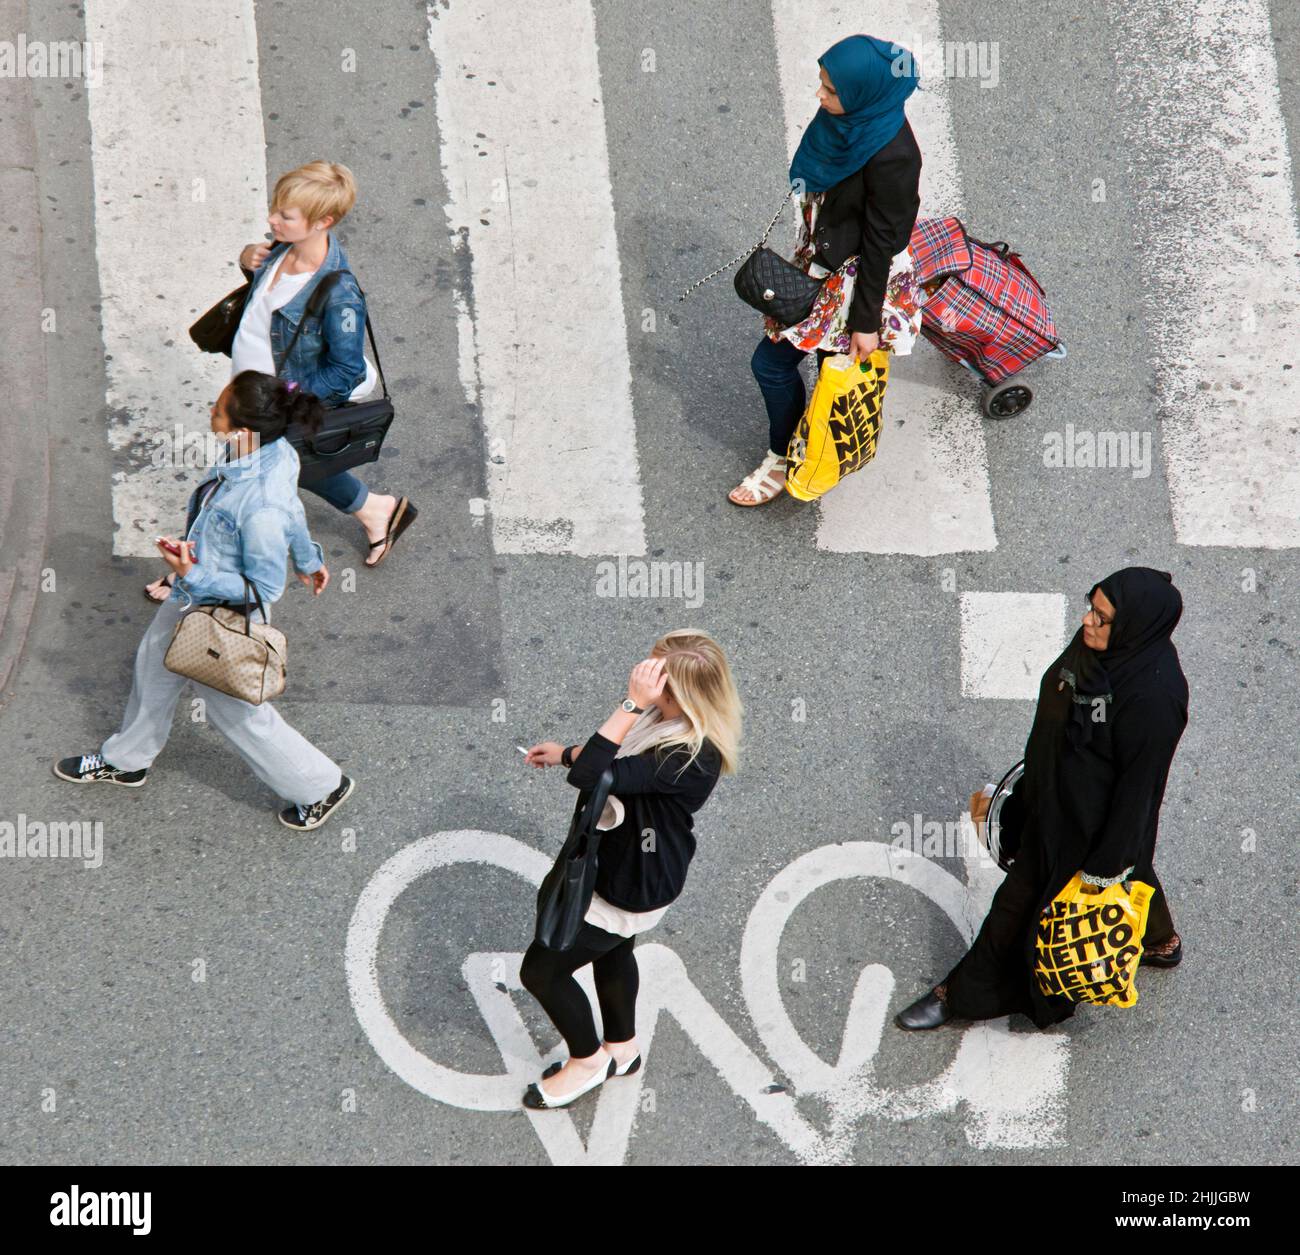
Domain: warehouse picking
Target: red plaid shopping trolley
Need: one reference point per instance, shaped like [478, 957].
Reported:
[982, 309]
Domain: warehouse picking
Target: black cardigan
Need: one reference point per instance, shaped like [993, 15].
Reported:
[637, 870]
[871, 213]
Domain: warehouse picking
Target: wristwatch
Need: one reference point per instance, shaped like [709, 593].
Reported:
[631, 707]
[566, 756]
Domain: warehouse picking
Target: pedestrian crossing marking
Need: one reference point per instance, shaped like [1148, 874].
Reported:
[1007, 641]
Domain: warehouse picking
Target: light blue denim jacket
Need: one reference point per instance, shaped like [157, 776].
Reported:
[329, 358]
[246, 526]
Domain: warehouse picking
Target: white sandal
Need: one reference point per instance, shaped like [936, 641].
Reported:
[761, 486]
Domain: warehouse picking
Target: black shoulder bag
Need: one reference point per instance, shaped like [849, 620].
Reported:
[768, 282]
[566, 893]
[214, 332]
[352, 433]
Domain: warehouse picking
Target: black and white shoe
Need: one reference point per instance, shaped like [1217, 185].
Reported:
[305, 818]
[89, 768]
[537, 1099]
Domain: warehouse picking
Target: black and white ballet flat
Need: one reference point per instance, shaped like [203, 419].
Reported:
[632, 1065]
[537, 1099]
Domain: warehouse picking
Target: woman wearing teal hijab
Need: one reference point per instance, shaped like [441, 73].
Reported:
[858, 170]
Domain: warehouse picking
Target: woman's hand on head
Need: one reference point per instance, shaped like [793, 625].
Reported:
[862, 345]
[546, 754]
[647, 681]
[254, 255]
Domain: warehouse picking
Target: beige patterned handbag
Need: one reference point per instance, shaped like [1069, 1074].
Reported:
[219, 646]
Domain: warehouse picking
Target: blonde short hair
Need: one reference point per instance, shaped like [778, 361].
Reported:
[320, 189]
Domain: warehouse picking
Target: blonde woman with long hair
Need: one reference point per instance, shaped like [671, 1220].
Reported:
[667, 743]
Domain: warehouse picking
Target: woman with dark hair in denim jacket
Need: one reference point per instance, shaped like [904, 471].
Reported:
[328, 358]
[243, 523]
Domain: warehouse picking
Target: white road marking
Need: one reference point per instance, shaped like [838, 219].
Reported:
[179, 159]
[928, 490]
[1007, 641]
[522, 132]
[1012, 1087]
[1222, 286]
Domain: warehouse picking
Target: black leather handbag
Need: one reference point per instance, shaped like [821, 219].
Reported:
[566, 892]
[768, 282]
[351, 434]
[214, 332]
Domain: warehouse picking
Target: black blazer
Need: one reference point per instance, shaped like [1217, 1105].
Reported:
[871, 213]
[660, 794]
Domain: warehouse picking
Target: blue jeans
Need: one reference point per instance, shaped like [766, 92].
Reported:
[776, 368]
[343, 491]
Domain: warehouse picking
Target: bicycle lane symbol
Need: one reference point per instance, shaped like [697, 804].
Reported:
[1012, 1085]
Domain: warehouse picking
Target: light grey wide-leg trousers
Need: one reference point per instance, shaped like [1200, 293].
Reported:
[280, 756]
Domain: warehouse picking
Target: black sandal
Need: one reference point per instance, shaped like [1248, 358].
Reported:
[403, 515]
[169, 579]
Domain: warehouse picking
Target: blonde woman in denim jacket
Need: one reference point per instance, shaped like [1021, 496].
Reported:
[328, 358]
[243, 523]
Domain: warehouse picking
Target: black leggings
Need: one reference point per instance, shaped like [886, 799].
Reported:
[548, 976]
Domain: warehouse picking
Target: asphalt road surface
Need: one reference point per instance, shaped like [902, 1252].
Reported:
[537, 186]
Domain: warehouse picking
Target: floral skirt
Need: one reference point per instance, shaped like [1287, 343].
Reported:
[826, 327]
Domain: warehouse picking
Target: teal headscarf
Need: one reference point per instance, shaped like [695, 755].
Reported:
[862, 70]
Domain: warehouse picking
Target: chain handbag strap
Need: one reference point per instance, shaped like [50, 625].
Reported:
[713, 274]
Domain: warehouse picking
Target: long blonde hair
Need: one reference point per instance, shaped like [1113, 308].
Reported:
[701, 682]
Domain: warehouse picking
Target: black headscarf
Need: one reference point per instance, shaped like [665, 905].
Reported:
[1095, 777]
[1147, 609]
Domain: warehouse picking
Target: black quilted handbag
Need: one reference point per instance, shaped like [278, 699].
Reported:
[769, 283]
[777, 287]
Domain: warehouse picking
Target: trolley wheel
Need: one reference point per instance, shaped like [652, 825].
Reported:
[1006, 400]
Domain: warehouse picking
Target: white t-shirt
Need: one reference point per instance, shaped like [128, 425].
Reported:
[252, 347]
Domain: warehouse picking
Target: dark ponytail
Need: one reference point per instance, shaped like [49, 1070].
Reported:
[267, 405]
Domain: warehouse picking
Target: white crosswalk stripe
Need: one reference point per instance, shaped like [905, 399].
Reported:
[1007, 641]
[928, 490]
[557, 406]
[523, 148]
[175, 200]
[1223, 274]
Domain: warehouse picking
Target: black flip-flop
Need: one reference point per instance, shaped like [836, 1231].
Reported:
[403, 515]
[171, 581]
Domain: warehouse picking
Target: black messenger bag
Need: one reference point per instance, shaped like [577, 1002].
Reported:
[351, 434]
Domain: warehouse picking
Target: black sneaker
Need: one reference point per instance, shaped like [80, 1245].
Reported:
[305, 818]
[92, 767]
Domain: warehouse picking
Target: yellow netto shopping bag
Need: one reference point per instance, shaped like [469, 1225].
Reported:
[840, 427]
[1089, 944]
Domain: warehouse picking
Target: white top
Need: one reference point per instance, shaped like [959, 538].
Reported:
[621, 923]
[252, 347]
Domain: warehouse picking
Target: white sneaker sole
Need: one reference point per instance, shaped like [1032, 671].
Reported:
[122, 784]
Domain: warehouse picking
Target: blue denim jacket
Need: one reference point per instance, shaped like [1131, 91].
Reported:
[329, 358]
[245, 527]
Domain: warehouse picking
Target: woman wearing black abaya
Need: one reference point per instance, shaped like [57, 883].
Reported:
[1110, 712]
